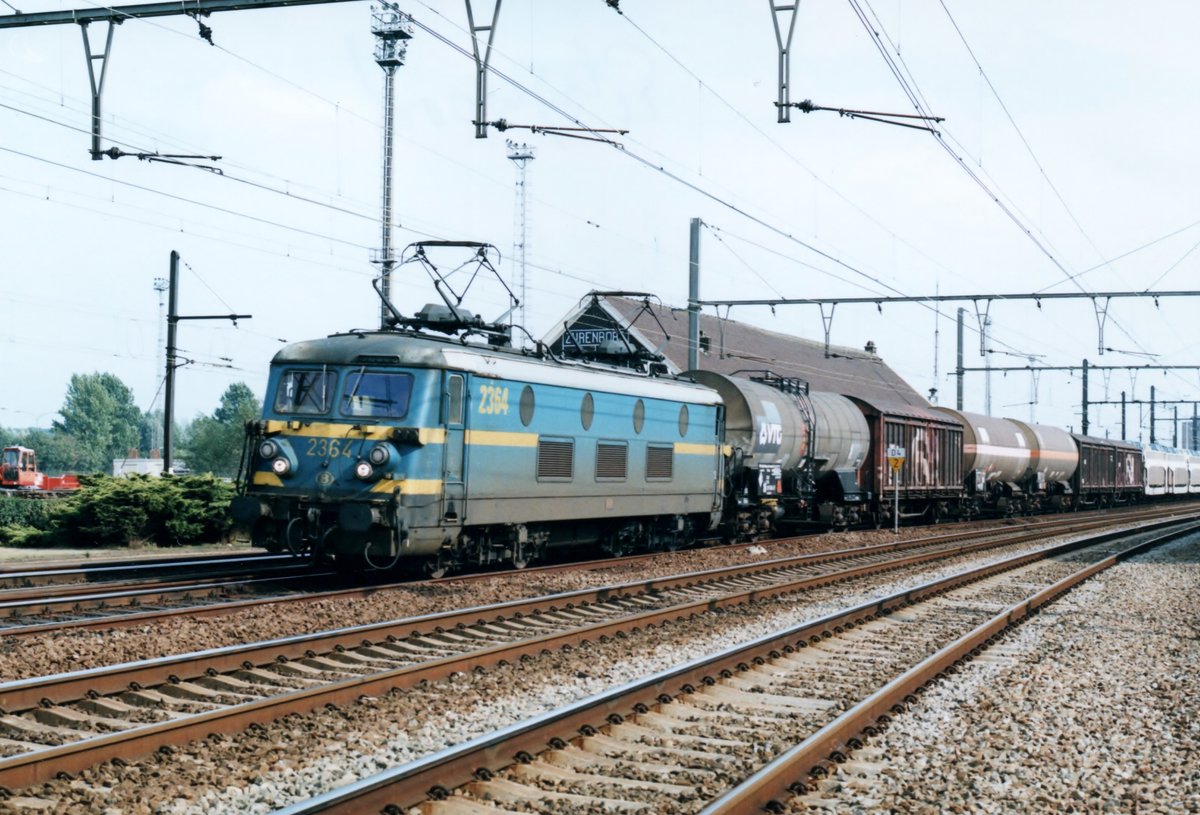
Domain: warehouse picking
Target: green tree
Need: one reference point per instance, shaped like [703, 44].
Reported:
[214, 443]
[100, 413]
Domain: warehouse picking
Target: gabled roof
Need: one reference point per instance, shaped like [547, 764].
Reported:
[734, 346]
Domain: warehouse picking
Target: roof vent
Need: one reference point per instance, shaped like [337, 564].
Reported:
[870, 347]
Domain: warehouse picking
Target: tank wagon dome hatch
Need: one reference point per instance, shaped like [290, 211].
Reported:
[727, 347]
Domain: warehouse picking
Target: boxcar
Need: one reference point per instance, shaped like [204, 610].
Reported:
[930, 481]
[1110, 472]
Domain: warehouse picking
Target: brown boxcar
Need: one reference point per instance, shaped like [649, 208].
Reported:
[1110, 472]
[931, 479]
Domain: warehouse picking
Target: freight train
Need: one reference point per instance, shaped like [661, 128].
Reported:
[412, 447]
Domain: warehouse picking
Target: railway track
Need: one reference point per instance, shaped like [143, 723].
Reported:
[85, 575]
[28, 612]
[71, 721]
[742, 730]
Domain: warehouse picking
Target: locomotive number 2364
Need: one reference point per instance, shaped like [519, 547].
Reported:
[493, 399]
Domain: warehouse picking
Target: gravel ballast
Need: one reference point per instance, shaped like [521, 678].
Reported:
[72, 650]
[302, 756]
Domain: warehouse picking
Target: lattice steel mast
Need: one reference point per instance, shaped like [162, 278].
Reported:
[392, 29]
[521, 155]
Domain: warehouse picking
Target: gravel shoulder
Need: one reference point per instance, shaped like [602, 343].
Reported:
[1091, 706]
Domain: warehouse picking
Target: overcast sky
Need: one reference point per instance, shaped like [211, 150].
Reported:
[1079, 117]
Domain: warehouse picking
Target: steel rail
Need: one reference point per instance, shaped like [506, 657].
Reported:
[410, 784]
[80, 601]
[222, 607]
[35, 766]
[768, 789]
[117, 570]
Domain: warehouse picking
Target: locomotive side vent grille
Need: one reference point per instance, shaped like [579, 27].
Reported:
[660, 462]
[556, 459]
[612, 460]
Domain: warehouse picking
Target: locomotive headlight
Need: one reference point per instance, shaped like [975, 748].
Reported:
[281, 466]
[364, 471]
[268, 449]
[380, 455]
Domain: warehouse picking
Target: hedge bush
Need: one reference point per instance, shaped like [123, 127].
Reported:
[173, 511]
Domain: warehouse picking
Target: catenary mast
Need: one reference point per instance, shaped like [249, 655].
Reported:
[392, 29]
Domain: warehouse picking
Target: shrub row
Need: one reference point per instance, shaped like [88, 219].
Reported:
[109, 511]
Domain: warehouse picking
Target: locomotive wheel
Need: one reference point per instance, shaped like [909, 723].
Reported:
[294, 537]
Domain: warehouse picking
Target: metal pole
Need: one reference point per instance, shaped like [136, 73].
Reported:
[1085, 397]
[1152, 397]
[958, 371]
[386, 262]
[169, 388]
[896, 502]
[1123, 436]
[693, 360]
[1195, 429]
[1175, 428]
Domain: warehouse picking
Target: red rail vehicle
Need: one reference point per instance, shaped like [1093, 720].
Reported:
[19, 473]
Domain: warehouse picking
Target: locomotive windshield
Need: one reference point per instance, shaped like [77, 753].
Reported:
[377, 395]
[305, 392]
[10, 457]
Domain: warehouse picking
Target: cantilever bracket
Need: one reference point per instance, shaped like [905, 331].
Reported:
[789, 11]
[827, 322]
[481, 65]
[97, 83]
[1102, 317]
[982, 318]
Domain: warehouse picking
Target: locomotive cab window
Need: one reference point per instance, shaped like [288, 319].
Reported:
[305, 392]
[376, 395]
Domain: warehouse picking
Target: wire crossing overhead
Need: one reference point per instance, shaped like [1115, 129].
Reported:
[1100, 301]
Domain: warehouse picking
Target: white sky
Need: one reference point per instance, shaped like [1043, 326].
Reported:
[1103, 92]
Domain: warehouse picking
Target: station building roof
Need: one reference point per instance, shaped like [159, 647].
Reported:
[726, 346]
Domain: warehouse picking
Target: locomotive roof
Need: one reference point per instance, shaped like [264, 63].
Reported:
[377, 348]
[735, 346]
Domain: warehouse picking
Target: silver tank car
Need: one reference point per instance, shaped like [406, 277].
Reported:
[841, 437]
[1054, 456]
[767, 429]
[996, 448]
[768, 425]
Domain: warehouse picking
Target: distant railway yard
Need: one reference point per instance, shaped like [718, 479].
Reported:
[950, 668]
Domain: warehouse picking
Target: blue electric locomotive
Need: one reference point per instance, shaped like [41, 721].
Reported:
[381, 446]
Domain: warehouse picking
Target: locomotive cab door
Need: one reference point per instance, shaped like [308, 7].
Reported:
[454, 413]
